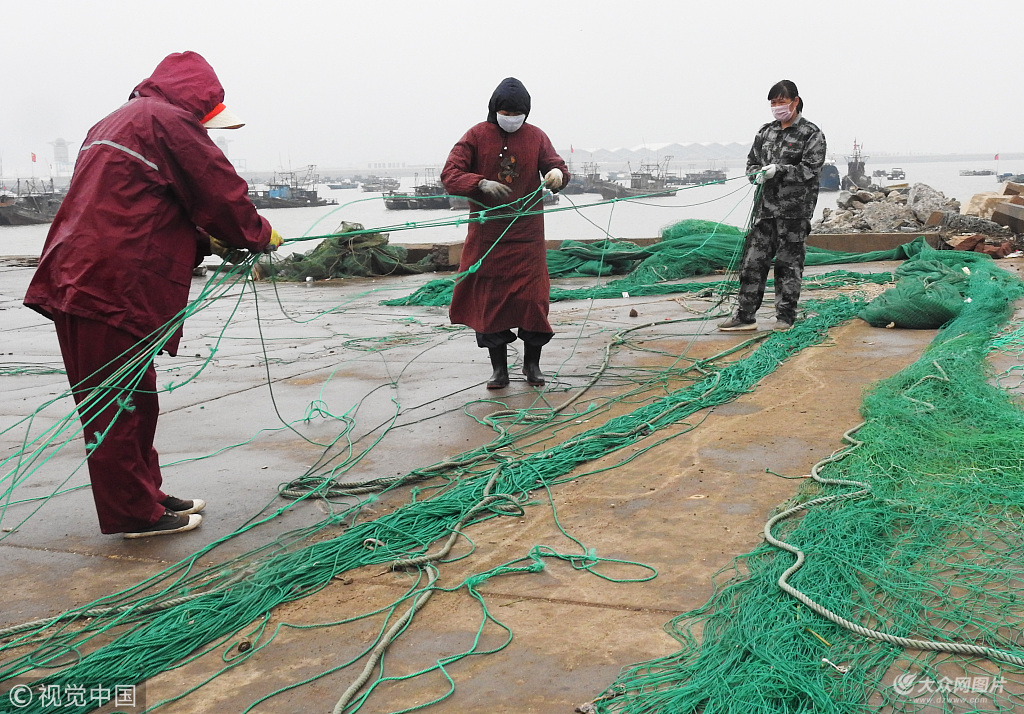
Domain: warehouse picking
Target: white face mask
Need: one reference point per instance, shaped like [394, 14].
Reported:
[782, 112]
[512, 123]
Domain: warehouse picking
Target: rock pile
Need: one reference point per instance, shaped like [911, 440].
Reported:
[916, 210]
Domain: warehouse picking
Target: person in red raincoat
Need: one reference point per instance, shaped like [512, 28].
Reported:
[498, 165]
[149, 188]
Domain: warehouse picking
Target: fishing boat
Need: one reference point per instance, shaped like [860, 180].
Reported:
[428, 195]
[380, 184]
[290, 189]
[648, 181]
[829, 180]
[30, 204]
[585, 183]
[855, 176]
[342, 185]
[395, 201]
[711, 175]
[979, 172]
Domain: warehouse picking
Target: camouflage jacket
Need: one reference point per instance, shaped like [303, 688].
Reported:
[799, 152]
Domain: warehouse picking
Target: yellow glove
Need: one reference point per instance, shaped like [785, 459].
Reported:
[275, 241]
[229, 253]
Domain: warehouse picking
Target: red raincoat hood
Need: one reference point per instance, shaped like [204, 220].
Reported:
[185, 80]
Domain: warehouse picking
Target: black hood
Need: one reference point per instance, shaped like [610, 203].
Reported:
[510, 96]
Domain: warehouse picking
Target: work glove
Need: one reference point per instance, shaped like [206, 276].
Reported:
[228, 252]
[767, 173]
[495, 189]
[275, 241]
[553, 179]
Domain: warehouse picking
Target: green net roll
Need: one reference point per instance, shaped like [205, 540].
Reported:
[361, 255]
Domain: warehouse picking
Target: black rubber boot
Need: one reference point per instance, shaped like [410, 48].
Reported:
[499, 361]
[531, 366]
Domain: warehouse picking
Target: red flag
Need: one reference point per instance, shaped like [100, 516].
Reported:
[33, 157]
[997, 157]
[571, 150]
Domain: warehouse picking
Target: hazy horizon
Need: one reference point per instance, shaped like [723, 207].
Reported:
[351, 84]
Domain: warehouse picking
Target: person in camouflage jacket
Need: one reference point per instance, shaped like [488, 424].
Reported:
[785, 159]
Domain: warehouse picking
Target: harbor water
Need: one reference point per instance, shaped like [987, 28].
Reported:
[578, 217]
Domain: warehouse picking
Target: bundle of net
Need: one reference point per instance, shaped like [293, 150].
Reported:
[350, 252]
[929, 292]
[582, 259]
[932, 550]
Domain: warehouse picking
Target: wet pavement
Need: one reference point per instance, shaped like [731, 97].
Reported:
[324, 356]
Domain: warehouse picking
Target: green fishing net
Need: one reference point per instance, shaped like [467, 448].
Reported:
[582, 259]
[340, 256]
[929, 291]
[688, 248]
[923, 540]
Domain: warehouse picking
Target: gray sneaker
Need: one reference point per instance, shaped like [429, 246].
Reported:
[735, 324]
[782, 325]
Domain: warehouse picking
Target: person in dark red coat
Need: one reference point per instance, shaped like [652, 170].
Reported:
[149, 188]
[498, 165]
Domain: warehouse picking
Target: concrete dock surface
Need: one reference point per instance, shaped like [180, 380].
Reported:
[327, 356]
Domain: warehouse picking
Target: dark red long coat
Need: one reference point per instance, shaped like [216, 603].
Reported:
[511, 288]
[123, 244]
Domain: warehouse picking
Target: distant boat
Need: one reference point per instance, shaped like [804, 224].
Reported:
[428, 195]
[855, 177]
[290, 190]
[829, 180]
[648, 181]
[896, 174]
[699, 178]
[585, 183]
[380, 184]
[30, 204]
[395, 201]
[342, 185]
[981, 172]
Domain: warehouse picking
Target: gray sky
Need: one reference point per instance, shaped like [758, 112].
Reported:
[341, 83]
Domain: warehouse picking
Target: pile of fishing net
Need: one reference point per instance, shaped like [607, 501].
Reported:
[930, 291]
[687, 249]
[351, 252]
[576, 259]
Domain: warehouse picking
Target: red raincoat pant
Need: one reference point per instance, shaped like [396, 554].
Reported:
[123, 468]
